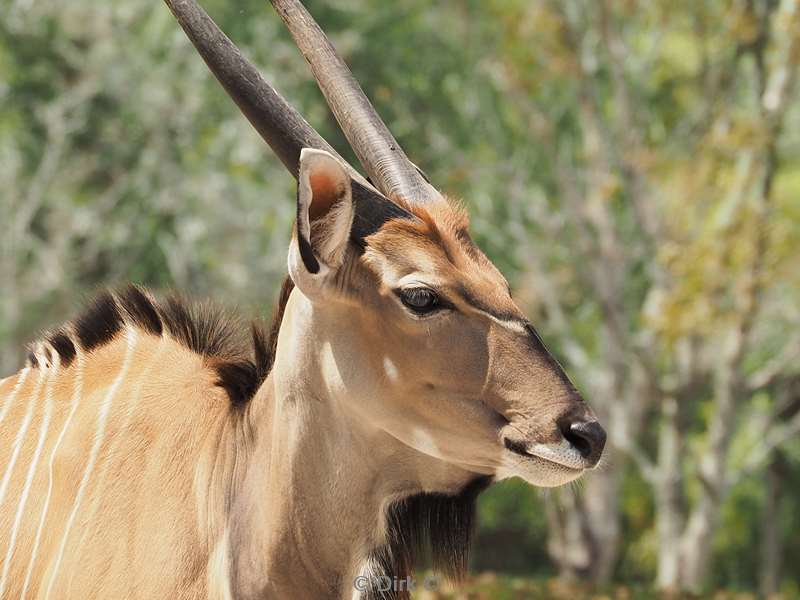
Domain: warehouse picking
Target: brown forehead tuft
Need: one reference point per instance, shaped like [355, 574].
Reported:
[449, 216]
[443, 224]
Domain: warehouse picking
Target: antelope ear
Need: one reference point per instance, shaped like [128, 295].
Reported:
[324, 216]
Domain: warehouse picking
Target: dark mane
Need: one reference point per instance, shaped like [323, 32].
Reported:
[241, 354]
[433, 525]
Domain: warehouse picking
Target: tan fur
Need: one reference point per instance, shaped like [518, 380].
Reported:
[137, 533]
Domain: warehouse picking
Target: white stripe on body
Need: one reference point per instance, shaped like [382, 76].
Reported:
[48, 411]
[105, 408]
[18, 441]
[131, 404]
[23, 375]
[76, 395]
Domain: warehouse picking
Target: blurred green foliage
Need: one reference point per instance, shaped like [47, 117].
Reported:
[121, 159]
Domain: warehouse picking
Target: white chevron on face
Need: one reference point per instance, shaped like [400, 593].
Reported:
[102, 418]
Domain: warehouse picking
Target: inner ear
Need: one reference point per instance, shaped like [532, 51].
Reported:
[324, 209]
[325, 191]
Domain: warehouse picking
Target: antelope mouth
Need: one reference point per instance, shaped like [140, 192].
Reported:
[539, 464]
[563, 455]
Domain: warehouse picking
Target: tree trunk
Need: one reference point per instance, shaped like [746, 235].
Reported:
[702, 523]
[771, 542]
[669, 515]
[569, 541]
[584, 527]
[603, 515]
[696, 544]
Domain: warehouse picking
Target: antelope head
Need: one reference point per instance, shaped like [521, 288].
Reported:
[400, 317]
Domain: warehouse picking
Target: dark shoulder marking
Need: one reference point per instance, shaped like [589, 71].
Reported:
[100, 323]
[239, 378]
[261, 350]
[241, 356]
[202, 328]
[141, 309]
[240, 365]
[64, 346]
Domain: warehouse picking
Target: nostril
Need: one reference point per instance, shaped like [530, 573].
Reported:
[578, 442]
[588, 438]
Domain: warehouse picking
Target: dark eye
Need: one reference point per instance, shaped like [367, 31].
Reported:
[420, 300]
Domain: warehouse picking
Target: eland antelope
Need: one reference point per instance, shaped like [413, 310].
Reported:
[149, 449]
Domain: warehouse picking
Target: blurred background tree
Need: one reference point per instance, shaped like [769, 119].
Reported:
[633, 167]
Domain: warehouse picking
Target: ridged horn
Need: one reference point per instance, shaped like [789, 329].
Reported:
[281, 126]
[381, 156]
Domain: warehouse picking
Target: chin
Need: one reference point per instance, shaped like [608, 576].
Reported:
[539, 472]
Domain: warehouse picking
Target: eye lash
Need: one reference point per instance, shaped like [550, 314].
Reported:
[442, 302]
